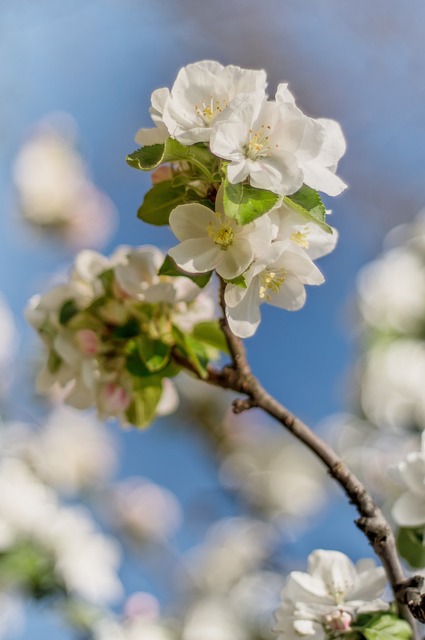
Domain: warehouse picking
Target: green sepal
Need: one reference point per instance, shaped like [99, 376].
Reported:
[210, 333]
[154, 353]
[142, 409]
[169, 268]
[68, 310]
[159, 202]
[193, 351]
[308, 203]
[244, 203]
[145, 378]
[150, 157]
[387, 626]
[239, 281]
[410, 545]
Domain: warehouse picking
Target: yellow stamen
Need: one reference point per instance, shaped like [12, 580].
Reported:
[270, 282]
[300, 238]
[223, 236]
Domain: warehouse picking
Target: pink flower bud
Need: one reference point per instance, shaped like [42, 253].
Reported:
[87, 342]
[113, 399]
[161, 174]
[339, 620]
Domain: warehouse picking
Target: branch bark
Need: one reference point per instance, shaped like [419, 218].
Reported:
[239, 377]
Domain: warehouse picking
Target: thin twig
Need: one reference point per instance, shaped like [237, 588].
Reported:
[239, 377]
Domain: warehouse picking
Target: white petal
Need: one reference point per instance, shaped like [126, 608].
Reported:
[245, 317]
[409, 511]
[322, 179]
[334, 568]
[191, 221]
[370, 584]
[196, 255]
[236, 259]
[291, 295]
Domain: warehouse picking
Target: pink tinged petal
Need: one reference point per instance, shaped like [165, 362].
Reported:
[245, 317]
[236, 259]
[196, 255]
[290, 296]
[409, 511]
[191, 221]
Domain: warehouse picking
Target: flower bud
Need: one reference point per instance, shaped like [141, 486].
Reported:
[162, 173]
[87, 342]
[113, 399]
[339, 620]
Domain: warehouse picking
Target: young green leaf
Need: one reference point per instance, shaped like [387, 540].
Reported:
[145, 400]
[169, 268]
[239, 281]
[147, 158]
[411, 547]
[245, 203]
[154, 353]
[159, 202]
[192, 350]
[211, 334]
[307, 201]
[387, 627]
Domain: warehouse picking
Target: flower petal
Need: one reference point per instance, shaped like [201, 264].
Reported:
[409, 511]
[196, 255]
[190, 221]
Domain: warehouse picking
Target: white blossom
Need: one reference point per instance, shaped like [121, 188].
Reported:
[392, 384]
[200, 93]
[391, 291]
[409, 508]
[315, 241]
[277, 146]
[329, 597]
[277, 279]
[210, 240]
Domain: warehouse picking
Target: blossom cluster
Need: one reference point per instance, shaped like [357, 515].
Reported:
[110, 332]
[238, 185]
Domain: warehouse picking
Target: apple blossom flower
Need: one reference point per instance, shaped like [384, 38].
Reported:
[409, 508]
[200, 93]
[276, 146]
[315, 241]
[277, 279]
[329, 597]
[210, 240]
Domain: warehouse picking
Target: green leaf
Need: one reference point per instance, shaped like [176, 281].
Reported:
[128, 330]
[192, 351]
[211, 334]
[239, 281]
[68, 310]
[411, 547]
[159, 202]
[141, 412]
[147, 158]
[154, 353]
[387, 627]
[145, 378]
[308, 203]
[169, 268]
[245, 203]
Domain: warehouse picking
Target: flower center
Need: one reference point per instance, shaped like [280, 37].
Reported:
[223, 235]
[258, 143]
[270, 282]
[210, 109]
[300, 238]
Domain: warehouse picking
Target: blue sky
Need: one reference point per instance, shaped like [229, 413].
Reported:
[100, 61]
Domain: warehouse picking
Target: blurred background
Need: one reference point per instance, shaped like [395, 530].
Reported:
[76, 79]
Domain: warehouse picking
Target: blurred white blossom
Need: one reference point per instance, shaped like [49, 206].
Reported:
[54, 190]
[143, 509]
